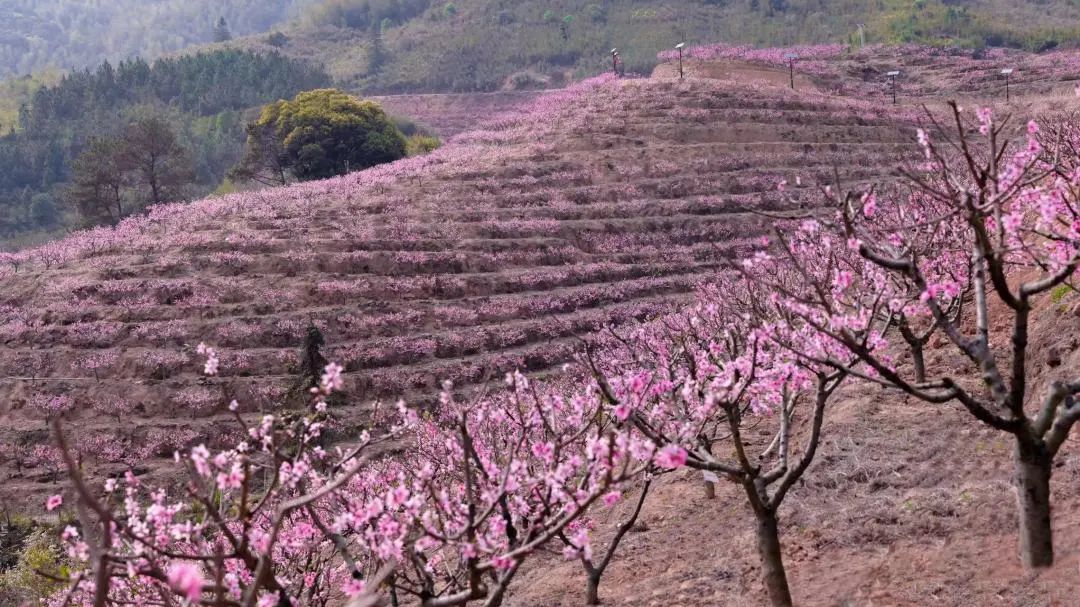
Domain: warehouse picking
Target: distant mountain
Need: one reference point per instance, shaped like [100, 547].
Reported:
[483, 45]
[72, 34]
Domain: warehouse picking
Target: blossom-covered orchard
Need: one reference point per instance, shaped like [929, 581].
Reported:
[449, 114]
[993, 225]
[603, 204]
[278, 519]
[926, 73]
[839, 285]
[487, 480]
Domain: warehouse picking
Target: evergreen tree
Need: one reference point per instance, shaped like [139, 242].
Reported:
[156, 160]
[221, 31]
[99, 180]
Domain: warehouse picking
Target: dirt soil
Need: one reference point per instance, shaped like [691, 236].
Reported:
[906, 504]
[737, 71]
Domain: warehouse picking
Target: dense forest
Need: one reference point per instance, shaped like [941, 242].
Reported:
[201, 97]
[73, 34]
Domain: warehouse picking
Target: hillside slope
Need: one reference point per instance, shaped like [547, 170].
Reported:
[485, 45]
[906, 505]
[602, 203]
[925, 73]
[73, 34]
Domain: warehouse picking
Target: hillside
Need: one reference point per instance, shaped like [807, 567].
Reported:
[449, 114]
[204, 98]
[485, 45]
[602, 203]
[72, 34]
[925, 73]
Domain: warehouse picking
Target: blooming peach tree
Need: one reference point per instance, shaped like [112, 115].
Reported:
[482, 483]
[986, 218]
[692, 381]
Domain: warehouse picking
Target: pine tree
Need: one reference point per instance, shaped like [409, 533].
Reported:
[377, 55]
[221, 31]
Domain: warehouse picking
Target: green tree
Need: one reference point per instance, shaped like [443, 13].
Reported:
[418, 144]
[43, 211]
[98, 181]
[320, 134]
[221, 31]
[377, 51]
[156, 159]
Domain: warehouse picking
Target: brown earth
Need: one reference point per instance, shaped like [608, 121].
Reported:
[738, 71]
[906, 504]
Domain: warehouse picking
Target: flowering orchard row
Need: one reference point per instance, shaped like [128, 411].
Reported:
[488, 480]
[924, 71]
[602, 204]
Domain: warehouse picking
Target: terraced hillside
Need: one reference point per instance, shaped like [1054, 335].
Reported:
[448, 114]
[926, 73]
[594, 205]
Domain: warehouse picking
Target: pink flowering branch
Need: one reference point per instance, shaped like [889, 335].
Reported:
[980, 215]
[695, 379]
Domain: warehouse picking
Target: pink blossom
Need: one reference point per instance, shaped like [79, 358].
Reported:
[621, 412]
[353, 588]
[212, 362]
[985, 116]
[869, 205]
[670, 457]
[186, 580]
[331, 378]
[54, 502]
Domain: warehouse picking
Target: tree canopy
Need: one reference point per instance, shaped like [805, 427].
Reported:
[201, 98]
[74, 34]
[319, 134]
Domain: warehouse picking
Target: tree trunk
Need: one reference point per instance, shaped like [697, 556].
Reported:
[592, 589]
[772, 563]
[920, 362]
[1033, 465]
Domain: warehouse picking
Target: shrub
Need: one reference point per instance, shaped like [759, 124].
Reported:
[418, 145]
[23, 583]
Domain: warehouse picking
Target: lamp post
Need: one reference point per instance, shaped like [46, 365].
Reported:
[892, 79]
[791, 59]
[1007, 72]
[615, 61]
[679, 47]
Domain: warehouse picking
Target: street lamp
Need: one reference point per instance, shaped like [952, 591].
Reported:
[679, 47]
[892, 79]
[1006, 72]
[791, 59]
[615, 61]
